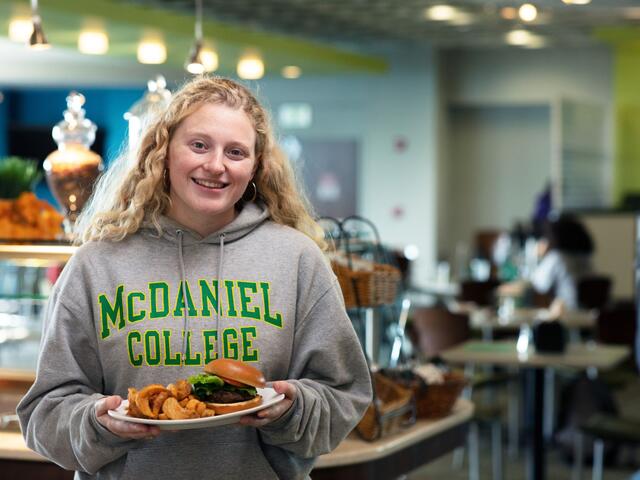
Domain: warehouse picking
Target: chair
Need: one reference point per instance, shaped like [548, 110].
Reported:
[604, 427]
[594, 291]
[480, 293]
[436, 329]
[616, 324]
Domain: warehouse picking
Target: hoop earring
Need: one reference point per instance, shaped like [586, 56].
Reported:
[255, 193]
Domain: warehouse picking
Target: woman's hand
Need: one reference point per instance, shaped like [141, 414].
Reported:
[119, 427]
[274, 412]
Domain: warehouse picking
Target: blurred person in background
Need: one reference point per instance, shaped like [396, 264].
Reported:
[565, 250]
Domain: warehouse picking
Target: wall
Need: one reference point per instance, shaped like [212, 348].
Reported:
[627, 98]
[614, 237]
[397, 189]
[529, 76]
[514, 78]
[105, 107]
[499, 162]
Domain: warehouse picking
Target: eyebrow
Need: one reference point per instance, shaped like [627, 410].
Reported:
[206, 136]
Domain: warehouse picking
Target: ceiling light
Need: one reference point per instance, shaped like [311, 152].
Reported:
[440, 13]
[152, 51]
[461, 19]
[194, 63]
[518, 37]
[528, 12]
[577, 2]
[209, 59]
[37, 40]
[250, 67]
[535, 41]
[93, 42]
[291, 72]
[20, 30]
[508, 13]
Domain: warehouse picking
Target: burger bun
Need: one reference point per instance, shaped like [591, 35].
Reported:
[237, 371]
[223, 408]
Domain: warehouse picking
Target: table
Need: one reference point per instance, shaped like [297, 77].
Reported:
[488, 320]
[504, 353]
[397, 454]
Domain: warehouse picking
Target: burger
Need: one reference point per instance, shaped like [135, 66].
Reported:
[228, 386]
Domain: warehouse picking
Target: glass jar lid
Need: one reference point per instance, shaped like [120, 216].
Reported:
[75, 128]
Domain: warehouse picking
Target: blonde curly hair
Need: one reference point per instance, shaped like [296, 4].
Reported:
[128, 195]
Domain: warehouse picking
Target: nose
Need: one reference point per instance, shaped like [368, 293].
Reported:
[214, 162]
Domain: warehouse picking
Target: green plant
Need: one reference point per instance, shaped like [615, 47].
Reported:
[17, 175]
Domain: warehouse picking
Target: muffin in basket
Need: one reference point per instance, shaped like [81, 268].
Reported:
[435, 389]
[439, 392]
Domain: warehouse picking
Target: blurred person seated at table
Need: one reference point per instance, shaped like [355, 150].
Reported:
[565, 251]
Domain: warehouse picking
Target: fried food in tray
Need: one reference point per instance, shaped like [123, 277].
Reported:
[173, 402]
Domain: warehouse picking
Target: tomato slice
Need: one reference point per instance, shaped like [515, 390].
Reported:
[232, 382]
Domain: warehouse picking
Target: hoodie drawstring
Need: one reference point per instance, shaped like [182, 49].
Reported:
[219, 334]
[183, 281]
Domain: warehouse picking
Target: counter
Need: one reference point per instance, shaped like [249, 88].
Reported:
[397, 454]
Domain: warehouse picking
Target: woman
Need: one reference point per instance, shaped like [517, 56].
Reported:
[205, 250]
[566, 257]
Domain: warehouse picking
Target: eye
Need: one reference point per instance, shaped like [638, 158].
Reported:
[198, 145]
[237, 153]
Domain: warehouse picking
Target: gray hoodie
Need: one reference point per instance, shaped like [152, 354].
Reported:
[257, 291]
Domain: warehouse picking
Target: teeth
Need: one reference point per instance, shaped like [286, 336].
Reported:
[208, 184]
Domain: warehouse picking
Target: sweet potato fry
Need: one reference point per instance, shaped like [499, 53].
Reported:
[133, 410]
[174, 411]
[143, 397]
[158, 400]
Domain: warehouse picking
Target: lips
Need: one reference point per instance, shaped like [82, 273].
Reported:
[209, 183]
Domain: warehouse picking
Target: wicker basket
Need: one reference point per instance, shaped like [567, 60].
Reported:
[437, 400]
[367, 288]
[393, 407]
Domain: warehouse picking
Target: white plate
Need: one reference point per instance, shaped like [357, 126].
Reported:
[269, 397]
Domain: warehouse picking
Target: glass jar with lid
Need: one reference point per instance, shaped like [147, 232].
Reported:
[73, 168]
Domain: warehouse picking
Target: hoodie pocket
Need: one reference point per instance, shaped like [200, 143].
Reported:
[179, 458]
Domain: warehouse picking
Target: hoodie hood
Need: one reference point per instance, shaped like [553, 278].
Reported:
[250, 217]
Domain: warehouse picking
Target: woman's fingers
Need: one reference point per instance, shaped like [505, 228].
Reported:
[274, 412]
[105, 404]
[119, 427]
[289, 389]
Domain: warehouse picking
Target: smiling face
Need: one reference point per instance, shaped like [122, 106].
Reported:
[211, 162]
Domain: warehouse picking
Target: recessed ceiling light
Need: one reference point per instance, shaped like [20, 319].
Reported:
[250, 67]
[577, 2]
[291, 71]
[528, 12]
[440, 13]
[20, 30]
[209, 59]
[518, 37]
[152, 51]
[93, 42]
[508, 13]
[462, 19]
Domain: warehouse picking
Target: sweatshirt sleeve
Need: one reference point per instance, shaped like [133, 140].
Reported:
[57, 414]
[545, 273]
[332, 380]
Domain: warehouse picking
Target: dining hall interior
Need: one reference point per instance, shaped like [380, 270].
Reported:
[473, 163]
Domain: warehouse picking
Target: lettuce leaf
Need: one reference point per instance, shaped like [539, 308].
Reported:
[206, 379]
[204, 384]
